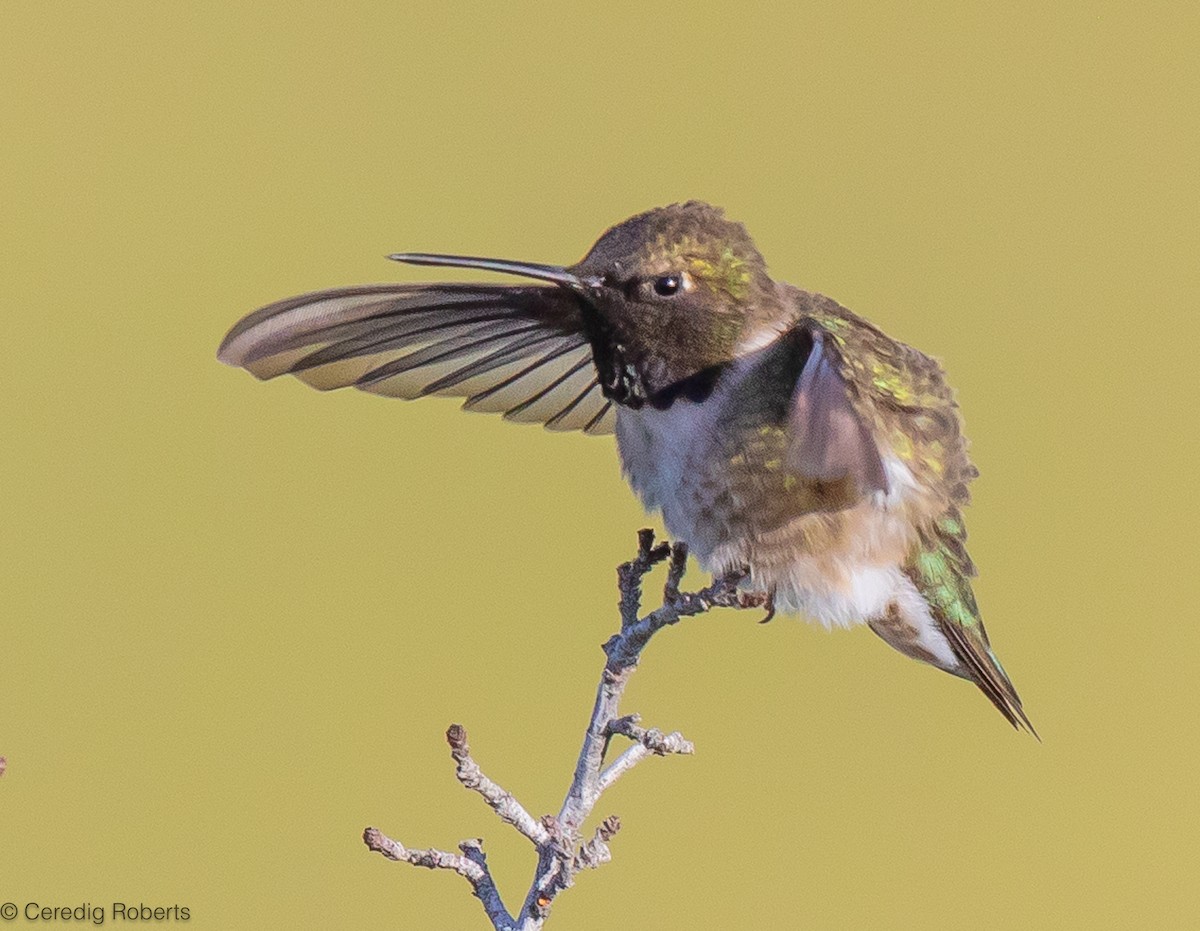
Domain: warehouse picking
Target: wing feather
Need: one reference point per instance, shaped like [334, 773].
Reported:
[580, 412]
[830, 439]
[516, 350]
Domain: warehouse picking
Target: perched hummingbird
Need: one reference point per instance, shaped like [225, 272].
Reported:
[776, 431]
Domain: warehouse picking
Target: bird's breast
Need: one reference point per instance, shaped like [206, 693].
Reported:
[714, 470]
[719, 476]
[665, 455]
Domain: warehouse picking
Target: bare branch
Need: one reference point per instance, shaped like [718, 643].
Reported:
[502, 802]
[630, 574]
[625, 648]
[485, 890]
[471, 865]
[595, 852]
[652, 741]
[675, 571]
[432, 858]
[558, 839]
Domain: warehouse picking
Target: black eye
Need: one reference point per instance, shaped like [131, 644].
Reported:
[667, 285]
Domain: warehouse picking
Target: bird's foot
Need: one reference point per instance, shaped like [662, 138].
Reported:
[769, 604]
[750, 599]
[758, 600]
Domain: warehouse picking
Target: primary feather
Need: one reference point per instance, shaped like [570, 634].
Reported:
[516, 350]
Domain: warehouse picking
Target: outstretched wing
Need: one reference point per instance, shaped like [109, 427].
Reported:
[515, 350]
[830, 441]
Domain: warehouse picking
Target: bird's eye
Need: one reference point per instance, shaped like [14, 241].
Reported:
[667, 285]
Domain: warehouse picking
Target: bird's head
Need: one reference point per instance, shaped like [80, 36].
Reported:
[668, 297]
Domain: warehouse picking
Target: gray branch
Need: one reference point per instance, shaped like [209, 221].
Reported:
[647, 742]
[472, 865]
[503, 803]
[559, 839]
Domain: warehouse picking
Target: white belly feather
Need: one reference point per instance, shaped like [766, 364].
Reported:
[665, 456]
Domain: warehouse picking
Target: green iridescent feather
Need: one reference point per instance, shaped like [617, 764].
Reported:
[941, 570]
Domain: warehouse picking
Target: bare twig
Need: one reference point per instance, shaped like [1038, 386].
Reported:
[503, 803]
[472, 865]
[630, 575]
[647, 742]
[595, 852]
[562, 852]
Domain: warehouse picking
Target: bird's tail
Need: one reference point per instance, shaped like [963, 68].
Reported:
[941, 572]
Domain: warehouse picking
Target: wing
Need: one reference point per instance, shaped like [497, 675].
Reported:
[510, 349]
[831, 442]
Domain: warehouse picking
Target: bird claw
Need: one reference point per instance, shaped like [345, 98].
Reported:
[758, 600]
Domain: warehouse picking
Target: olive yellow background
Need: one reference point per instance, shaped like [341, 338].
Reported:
[237, 617]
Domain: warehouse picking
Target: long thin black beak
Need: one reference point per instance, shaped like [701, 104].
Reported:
[555, 273]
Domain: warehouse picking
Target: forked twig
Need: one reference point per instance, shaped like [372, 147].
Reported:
[558, 839]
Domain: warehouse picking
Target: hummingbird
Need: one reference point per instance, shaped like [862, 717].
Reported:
[786, 439]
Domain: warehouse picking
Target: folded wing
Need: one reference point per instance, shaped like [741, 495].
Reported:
[830, 440]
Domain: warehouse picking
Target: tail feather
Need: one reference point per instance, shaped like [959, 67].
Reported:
[987, 673]
[941, 570]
